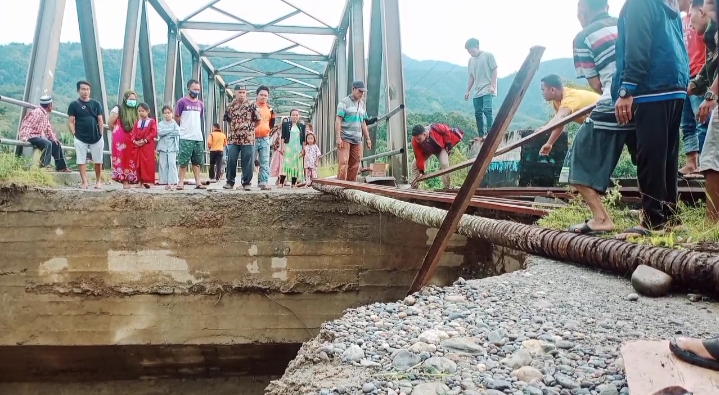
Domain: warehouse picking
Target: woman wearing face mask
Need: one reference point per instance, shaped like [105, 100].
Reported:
[122, 119]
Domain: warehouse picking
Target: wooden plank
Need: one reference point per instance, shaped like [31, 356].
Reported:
[540, 132]
[479, 202]
[650, 367]
[479, 167]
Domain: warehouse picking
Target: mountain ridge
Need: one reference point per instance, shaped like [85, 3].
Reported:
[431, 87]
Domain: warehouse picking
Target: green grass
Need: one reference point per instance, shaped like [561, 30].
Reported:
[695, 228]
[17, 171]
[327, 170]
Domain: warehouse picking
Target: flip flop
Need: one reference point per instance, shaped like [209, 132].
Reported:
[584, 229]
[712, 346]
[146, 185]
[634, 231]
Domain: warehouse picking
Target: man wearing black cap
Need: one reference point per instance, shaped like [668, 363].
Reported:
[37, 130]
[242, 115]
[350, 126]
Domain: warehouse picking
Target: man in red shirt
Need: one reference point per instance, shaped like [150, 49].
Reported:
[436, 139]
[693, 132]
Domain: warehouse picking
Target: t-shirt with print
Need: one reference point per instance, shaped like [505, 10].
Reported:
[86, 127]
[191, 113]
[574, 100]
[481, 67]
[353, 114]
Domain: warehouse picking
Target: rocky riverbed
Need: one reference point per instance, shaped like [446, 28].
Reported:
[553, 329]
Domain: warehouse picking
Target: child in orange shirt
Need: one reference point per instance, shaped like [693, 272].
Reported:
[216, 143]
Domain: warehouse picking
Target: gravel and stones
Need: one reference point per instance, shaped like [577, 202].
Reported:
[553, 329]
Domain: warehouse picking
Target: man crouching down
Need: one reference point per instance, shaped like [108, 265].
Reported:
[436, 139]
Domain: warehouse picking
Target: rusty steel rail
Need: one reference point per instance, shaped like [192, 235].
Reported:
[508, 205]
[629, 194]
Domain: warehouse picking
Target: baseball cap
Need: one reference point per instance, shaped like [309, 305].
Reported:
[240, 87]
[359, 85]
[45, 100]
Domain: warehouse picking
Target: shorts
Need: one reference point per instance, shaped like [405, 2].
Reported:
[595, 153]
[191, 151]
[95, 151]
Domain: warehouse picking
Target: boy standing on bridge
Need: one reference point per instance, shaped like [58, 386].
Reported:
[437, 140]
[189, 113]
[86, 122]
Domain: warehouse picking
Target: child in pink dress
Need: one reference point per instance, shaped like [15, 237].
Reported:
[311, 153]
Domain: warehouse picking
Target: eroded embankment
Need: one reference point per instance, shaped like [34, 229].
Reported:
[551, 329]
[191, 278]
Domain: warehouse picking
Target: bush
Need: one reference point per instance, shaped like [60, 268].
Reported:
[18, 171]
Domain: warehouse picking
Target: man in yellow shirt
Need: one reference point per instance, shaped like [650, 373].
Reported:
[565, 101]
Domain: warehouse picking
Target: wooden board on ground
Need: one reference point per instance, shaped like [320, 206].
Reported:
[650, 367]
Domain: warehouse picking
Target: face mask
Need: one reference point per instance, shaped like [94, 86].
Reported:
[194, 94]
[131, 103]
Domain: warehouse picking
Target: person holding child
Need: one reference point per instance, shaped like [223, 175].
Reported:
[143, 138]
[168, 146]
[311, 154]
[291, 142]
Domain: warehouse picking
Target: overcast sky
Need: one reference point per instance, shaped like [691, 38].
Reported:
[431, 29]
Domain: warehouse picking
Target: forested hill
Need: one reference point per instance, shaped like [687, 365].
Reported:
[431, 87]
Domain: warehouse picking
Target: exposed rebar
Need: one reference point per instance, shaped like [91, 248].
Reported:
[695, 270]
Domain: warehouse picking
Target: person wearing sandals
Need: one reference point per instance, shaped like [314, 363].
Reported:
[590, 169]
[189, 114]
[168, 146]
[37, 130]
[702, 353]
[649, 88]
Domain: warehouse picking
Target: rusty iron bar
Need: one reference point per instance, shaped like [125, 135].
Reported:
[478, 202]
[629, 194]
[689, 268]
[504, 117]
[540, 132]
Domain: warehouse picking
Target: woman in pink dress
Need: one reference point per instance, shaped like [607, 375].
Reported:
[123, 118]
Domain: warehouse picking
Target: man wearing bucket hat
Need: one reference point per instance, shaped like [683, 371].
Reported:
[37, 130]
[350, 126]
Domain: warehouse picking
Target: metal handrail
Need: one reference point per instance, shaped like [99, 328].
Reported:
[21, 103]
[20, 143]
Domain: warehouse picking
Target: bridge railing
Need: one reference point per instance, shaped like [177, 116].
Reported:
[19, 143]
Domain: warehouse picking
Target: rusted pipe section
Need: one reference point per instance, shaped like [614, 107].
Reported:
[691, 269]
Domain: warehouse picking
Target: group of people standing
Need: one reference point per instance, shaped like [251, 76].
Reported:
[139, 140]
[253, 133]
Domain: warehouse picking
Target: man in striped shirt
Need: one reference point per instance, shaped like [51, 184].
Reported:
[600, 140]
